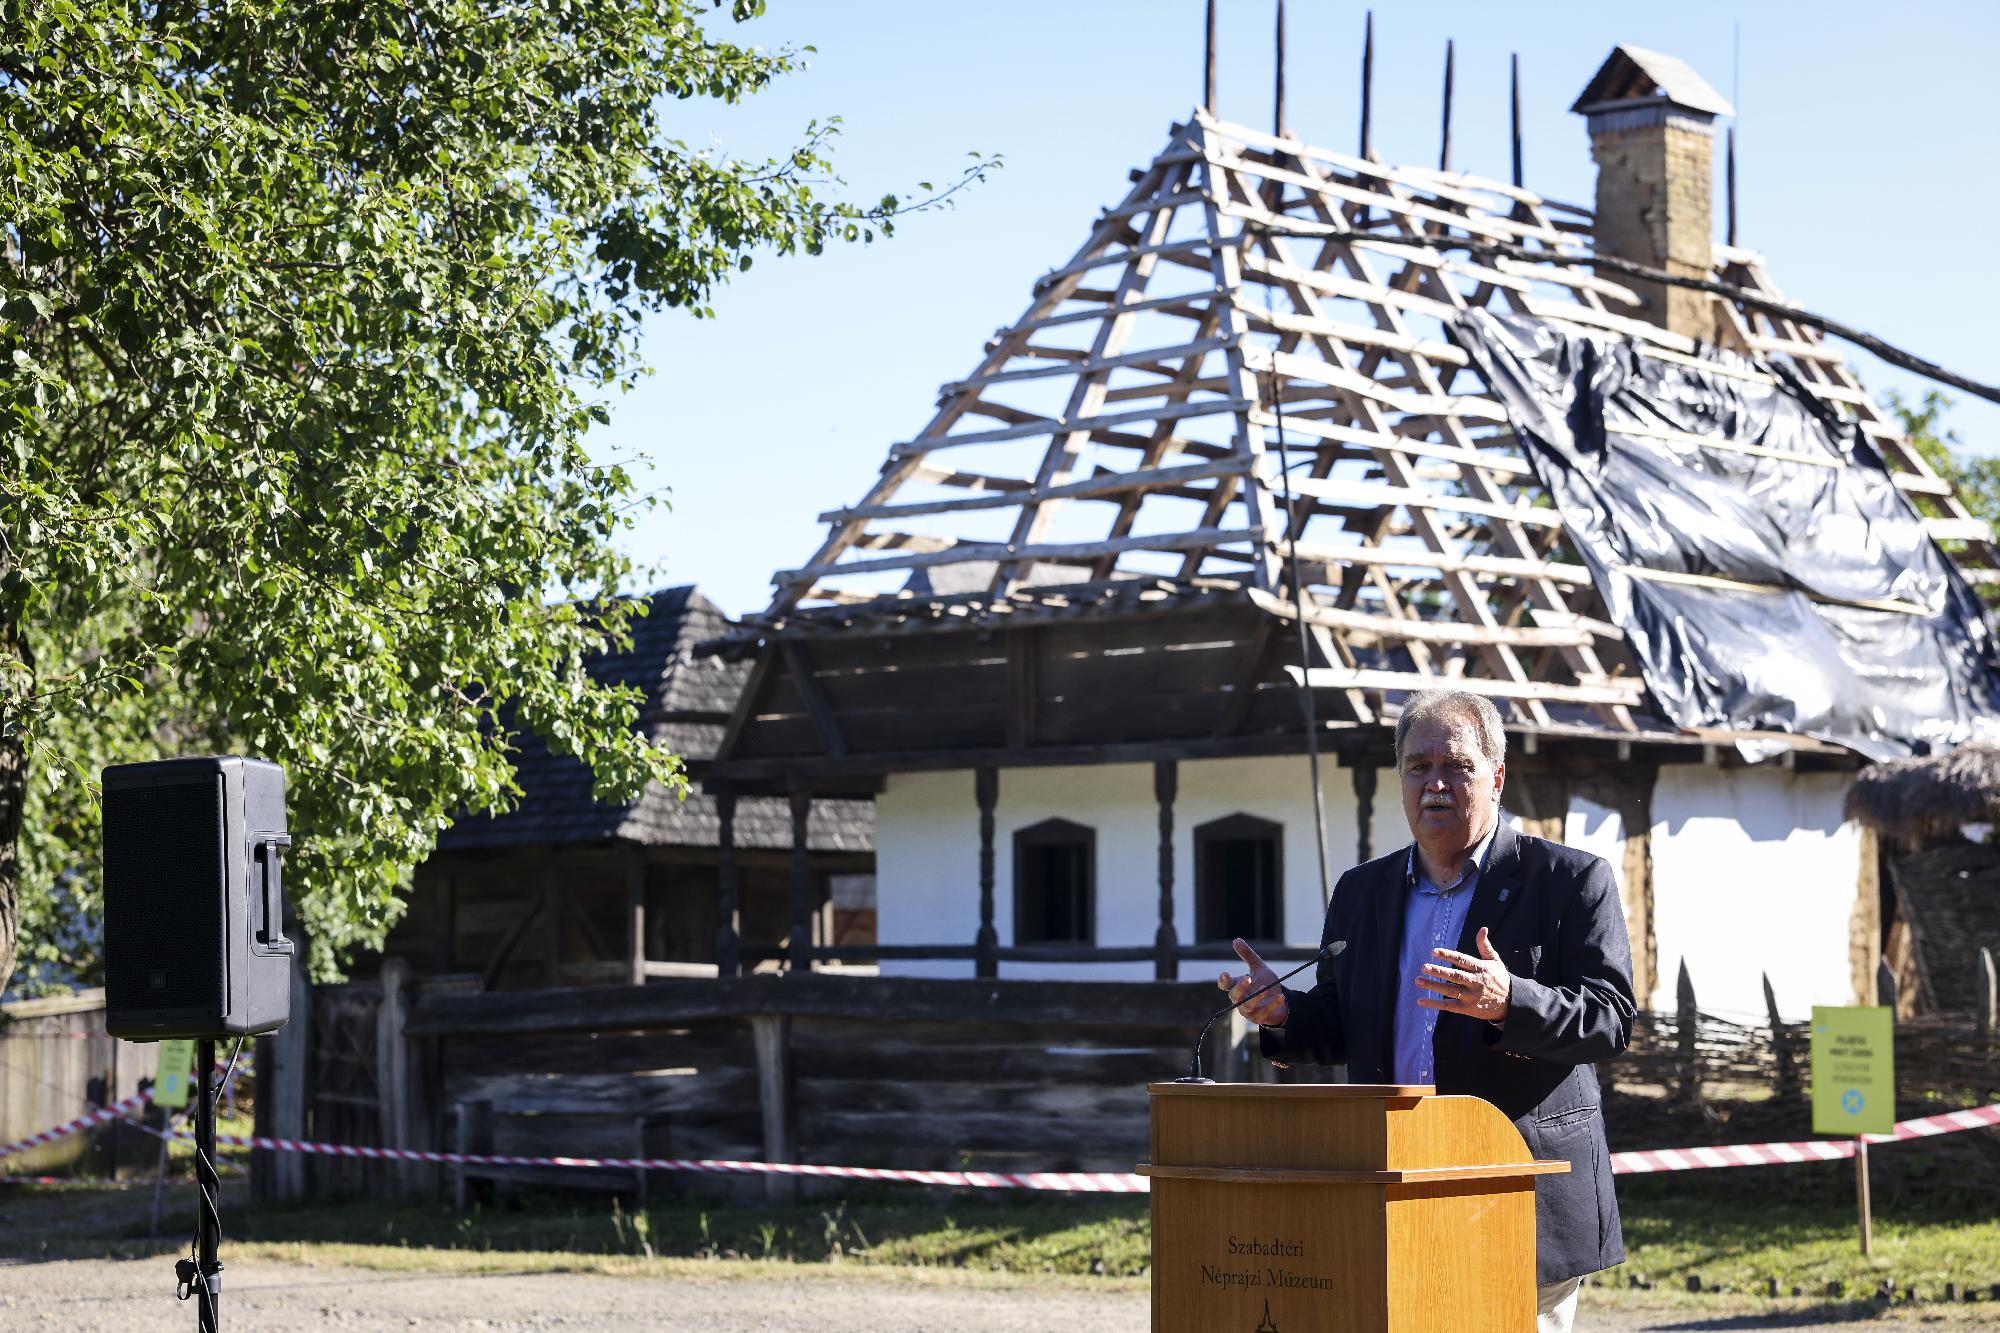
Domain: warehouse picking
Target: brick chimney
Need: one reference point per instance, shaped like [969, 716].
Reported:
[1652, 135]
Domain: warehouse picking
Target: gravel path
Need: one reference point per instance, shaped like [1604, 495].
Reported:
[95, 1295]
[100, 1296]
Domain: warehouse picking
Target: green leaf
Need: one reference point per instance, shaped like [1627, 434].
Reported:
[324, 299]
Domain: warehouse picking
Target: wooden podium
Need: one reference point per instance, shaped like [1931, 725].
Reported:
[1310, 1208]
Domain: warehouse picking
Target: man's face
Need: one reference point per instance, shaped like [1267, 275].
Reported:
[1451, 792]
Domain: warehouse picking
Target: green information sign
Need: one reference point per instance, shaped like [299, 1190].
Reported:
[1853, 1071]
[171, 1080]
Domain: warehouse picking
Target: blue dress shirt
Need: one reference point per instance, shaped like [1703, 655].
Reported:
[1433, 916]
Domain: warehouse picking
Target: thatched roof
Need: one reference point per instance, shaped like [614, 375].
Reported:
[1918, 798]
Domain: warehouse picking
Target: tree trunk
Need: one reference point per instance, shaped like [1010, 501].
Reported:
[13, 797]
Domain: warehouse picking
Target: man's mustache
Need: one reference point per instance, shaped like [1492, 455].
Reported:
[1437, 803]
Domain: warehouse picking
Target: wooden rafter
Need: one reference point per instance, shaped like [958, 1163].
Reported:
[1126, 429]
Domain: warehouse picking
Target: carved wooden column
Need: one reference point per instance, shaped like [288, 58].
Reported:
[726, 940]
[1166, 942]
[986, 790]
[802, 884]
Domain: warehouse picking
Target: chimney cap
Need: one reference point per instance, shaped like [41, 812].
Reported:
[1633, 74]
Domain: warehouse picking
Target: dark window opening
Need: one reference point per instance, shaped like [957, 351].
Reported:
[1238, 880]
[1055, 871]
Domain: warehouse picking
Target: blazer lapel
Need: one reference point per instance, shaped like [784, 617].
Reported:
[1499, 887]
[1387, 903]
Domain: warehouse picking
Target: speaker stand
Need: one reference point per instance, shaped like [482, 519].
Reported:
[201, 1276]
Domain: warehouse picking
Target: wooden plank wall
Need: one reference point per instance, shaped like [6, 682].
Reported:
[901, 1072]
[686, 1090]
[978, 1095]
[826, 1069]
[56, 1063]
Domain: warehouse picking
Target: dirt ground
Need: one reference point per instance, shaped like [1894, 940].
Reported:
[92, 1295]
[101, 1295]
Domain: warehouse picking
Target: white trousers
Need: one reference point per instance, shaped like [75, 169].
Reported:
[1555, 1306]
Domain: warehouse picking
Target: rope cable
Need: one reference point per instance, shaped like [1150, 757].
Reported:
[1305, 641]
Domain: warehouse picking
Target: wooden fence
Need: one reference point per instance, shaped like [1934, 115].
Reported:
[877, 1071]
[904, 1072]
[867, 1071]
[56, 1063]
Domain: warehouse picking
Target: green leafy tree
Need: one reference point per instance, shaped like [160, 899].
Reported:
[307, 306]
[1977, 480]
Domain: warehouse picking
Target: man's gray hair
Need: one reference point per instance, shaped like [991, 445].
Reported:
[1430, 705]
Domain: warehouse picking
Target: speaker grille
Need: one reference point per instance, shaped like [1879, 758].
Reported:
[163, 894]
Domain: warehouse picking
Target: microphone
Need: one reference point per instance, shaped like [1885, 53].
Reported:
[1330, 950]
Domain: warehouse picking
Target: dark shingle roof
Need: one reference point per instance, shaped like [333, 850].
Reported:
[688, 701]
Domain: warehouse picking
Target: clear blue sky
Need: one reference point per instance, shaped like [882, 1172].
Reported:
[1866, 175]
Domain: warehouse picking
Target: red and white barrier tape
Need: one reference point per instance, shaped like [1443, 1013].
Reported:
[82, 1122]
[1811, 1150]
[1108, 1182]
[102, 1114]
[1068, 1182]
[1073, 1182]
[169, 1135]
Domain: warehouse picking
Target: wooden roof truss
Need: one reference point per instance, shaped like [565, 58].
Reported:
[1124, 432]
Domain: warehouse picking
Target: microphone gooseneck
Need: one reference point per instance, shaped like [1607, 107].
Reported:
[1325, 951]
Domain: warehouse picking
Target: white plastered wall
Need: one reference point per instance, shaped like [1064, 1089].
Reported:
[1277, 788]
[927, 851]
[1754, 871]
[1600, 830]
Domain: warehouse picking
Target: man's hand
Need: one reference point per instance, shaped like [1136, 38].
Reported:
[1477, 987]
[1267, 1010]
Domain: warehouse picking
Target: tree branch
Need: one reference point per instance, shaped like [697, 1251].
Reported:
[1894, 355]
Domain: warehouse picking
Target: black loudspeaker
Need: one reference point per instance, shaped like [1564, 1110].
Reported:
[194, 911]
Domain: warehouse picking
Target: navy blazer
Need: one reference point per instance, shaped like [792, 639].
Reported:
[1553, 915]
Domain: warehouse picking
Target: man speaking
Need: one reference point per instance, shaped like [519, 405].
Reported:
[1483, 962]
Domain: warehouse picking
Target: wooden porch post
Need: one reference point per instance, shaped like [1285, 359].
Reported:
[1166, 942]
[635, 915]
[986, 790]
[772, 1034]
[726, 963]
[802, 884]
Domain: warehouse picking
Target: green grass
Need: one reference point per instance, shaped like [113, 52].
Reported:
[1737, 1233]
[1734, 1230]
[1074, 1237]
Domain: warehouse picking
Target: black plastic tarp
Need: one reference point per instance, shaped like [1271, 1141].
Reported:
[1765, 569]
